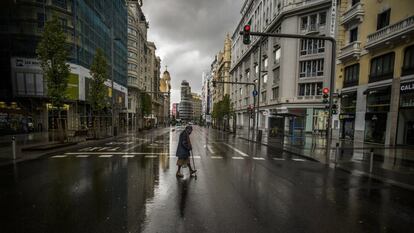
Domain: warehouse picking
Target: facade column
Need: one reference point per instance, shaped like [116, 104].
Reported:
[392, 122]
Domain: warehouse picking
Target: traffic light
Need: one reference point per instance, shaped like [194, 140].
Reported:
[334, 109]
[325, 95]
[246, 34]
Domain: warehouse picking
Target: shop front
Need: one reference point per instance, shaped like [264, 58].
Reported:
[405, 131]
[376, 116]
[347, 115]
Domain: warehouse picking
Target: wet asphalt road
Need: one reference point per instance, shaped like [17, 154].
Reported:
[129, 185]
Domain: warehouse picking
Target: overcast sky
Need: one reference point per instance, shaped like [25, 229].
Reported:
[188, 34]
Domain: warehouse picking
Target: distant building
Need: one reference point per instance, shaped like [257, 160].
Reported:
[186, 105]
[174, 110]
[197, 109]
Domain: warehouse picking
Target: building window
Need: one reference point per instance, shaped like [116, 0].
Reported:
[322, 18]
[132, 31]
[382, 67]
[256, 68]
[353, 35]
[263, 95]
[246, 101]
[311, 68]
[408, 66]
[265, 78]
[265, 62]
[277, 55]
[310, 89]
[351, 75]
[383, 19]
[304, 23]
[132, 66]
[276, 75]
[355, 2]
[275, 93]
[311, 46]
[247, 75]
[132, 54]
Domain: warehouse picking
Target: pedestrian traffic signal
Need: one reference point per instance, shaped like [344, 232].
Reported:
[334, 109]
[246, 34]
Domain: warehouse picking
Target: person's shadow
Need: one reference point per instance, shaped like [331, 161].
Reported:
[182, 186]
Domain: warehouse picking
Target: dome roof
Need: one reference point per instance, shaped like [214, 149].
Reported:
[166, 75]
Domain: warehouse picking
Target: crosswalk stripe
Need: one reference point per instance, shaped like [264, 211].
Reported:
[237, 150]
[237, 157]
[258, 158]
[150, 156]
[59, 156]
[216, 157]
[116, 153]
[82, 156]
[128, 156]
[210, 149]
[105, 156]
[299, 160]
[279, 159]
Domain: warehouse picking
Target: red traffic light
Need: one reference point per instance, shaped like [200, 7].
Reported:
[247, 28]
[325, 90]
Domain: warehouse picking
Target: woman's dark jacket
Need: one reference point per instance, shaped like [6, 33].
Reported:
[184, 146]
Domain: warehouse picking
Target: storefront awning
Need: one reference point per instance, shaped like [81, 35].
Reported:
[376, 89]
[287, 114]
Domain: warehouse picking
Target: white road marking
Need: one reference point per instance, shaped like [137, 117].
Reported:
[196, 156]
[133, 147]
[237, 157]
[258, 158]
[105, 156]
[237, 150]
[104, 148]
[151, 156]
[116, 153]
[299, 160]
[128, 156]
[280, 159]
[216, 157]
[86, 149]
[114, 149]
[59, 156]
[210, 149]
[82, 156]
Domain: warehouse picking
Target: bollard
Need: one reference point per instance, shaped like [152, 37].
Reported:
[371, 160]
[337, 152]
[14, 147]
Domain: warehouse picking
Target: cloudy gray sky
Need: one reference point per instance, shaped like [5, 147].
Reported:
[188, 33]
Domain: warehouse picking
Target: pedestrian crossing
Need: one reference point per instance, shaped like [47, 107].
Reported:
[149, 155]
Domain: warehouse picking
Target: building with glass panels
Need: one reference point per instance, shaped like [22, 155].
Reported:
[89, 25]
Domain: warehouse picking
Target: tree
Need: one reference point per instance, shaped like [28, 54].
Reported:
[146, 104]
[222, 109]
[53, 53]
[97, 92]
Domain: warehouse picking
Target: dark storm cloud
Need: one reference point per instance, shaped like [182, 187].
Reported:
[188, 33]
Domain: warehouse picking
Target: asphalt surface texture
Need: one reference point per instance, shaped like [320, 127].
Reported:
[129, 185]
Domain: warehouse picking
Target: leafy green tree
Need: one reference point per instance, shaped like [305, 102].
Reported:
[53, 53]
[97, 91]
[222, 109]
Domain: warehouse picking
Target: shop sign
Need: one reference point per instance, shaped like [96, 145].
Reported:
[346, 116]
[407, 87]
[282, 110]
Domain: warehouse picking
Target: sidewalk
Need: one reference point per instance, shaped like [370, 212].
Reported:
[25, 141]
[393, 165]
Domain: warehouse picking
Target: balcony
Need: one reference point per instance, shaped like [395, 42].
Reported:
[133, 83]
[310, 28]
[354, 14]
[391, 34]
[350, 51]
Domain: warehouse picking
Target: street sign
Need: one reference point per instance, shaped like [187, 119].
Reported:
[255, 93]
